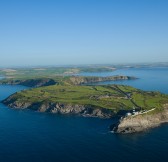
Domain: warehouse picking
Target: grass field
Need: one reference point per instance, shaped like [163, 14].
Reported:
[99, 96]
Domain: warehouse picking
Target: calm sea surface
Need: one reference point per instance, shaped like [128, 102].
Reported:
[27, 136]
[148, 78]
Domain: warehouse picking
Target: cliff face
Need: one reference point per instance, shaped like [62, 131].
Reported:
[140, 122]
[74, 80]
[86, 80]
[61, 108]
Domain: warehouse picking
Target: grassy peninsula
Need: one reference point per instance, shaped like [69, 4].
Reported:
[114, 98]
[60, 91]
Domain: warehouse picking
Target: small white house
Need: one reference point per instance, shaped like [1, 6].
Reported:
[128, 114]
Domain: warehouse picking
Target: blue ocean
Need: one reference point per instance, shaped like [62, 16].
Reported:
[27, 136]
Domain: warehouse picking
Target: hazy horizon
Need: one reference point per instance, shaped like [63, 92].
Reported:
[148, 64]
[47, 33]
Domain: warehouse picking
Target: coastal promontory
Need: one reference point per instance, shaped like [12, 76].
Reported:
[138, 110]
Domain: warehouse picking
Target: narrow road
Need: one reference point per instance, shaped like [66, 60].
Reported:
[128, 96]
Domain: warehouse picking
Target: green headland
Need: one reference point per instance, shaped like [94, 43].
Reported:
[114, 98]
[73, 94]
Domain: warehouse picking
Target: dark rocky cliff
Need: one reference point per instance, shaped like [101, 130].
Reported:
[60, 108]
[139, 123]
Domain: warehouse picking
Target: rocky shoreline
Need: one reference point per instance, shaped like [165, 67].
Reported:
[74, 80]
[140, 123]
[60, 108]
[130, 124]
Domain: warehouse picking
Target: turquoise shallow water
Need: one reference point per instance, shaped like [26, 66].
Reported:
[30, 136]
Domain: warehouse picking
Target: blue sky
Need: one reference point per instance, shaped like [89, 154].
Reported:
[60, 32]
